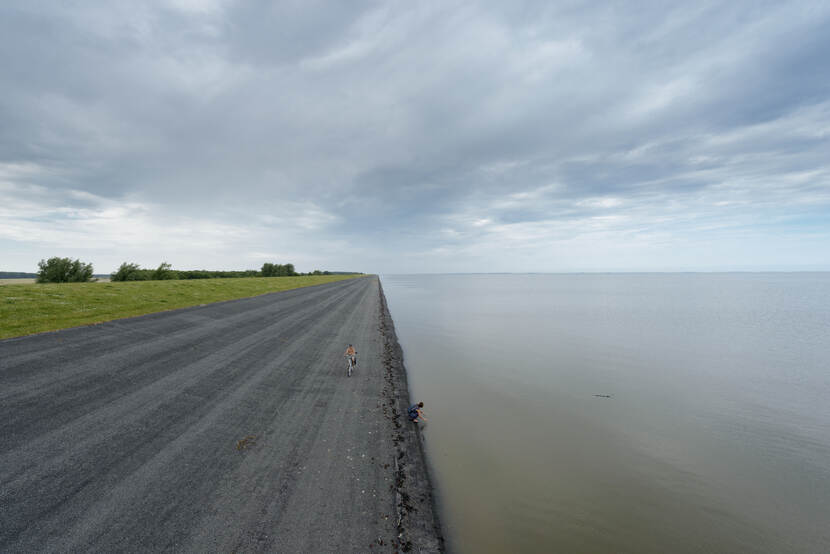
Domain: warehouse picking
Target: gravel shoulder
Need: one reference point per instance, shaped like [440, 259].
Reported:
[225, 427]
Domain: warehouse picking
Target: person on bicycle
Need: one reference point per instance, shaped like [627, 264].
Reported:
[416, 413]
[351, 352]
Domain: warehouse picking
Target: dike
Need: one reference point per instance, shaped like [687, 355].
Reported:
[418, 522]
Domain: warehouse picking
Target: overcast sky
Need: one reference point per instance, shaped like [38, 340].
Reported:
[415, 136]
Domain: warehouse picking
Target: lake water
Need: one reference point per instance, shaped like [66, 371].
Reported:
[715, 438]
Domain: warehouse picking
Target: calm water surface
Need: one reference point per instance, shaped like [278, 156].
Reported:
[715, 438]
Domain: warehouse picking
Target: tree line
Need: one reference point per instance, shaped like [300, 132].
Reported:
[134, 272]
[66, 270]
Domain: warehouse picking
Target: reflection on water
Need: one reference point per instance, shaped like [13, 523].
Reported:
[716, 435]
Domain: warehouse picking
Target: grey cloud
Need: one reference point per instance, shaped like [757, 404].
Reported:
[263, 32]
[397, 126]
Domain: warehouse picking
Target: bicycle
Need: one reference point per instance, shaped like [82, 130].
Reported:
[352, 362]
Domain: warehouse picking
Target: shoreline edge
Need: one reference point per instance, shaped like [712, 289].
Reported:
[418, 523]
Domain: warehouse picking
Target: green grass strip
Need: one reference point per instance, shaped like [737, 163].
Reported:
[27, 309]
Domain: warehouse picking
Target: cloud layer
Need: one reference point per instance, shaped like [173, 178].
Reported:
[398, 137]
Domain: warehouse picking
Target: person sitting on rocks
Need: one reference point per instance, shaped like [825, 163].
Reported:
[415, 412]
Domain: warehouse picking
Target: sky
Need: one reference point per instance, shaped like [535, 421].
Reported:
[410, 137]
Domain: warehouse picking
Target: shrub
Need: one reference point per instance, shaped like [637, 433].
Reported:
[130, 272]
[164, 272]
[63, 270]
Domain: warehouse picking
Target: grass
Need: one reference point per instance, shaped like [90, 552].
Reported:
[32, 308]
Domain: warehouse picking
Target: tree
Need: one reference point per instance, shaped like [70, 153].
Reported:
[129, 272]
[63, 270]
[277, 270]
[163, 271]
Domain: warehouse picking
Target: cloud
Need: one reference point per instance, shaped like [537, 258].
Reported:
[406, 137]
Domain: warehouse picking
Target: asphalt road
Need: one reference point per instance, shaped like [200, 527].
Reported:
[131, 435]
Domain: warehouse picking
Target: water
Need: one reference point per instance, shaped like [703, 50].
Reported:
[715, 438]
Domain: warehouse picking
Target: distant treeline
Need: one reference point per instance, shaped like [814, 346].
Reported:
[66, 270]
[133, 272]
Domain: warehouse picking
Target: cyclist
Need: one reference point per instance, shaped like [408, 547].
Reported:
[351, 353]
[416, 413]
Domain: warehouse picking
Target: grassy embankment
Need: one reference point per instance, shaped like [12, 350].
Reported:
[31, 308]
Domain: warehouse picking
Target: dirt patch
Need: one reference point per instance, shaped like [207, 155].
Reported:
[245, 442]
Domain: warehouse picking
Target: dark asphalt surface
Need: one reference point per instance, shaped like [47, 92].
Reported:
[125, 436]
